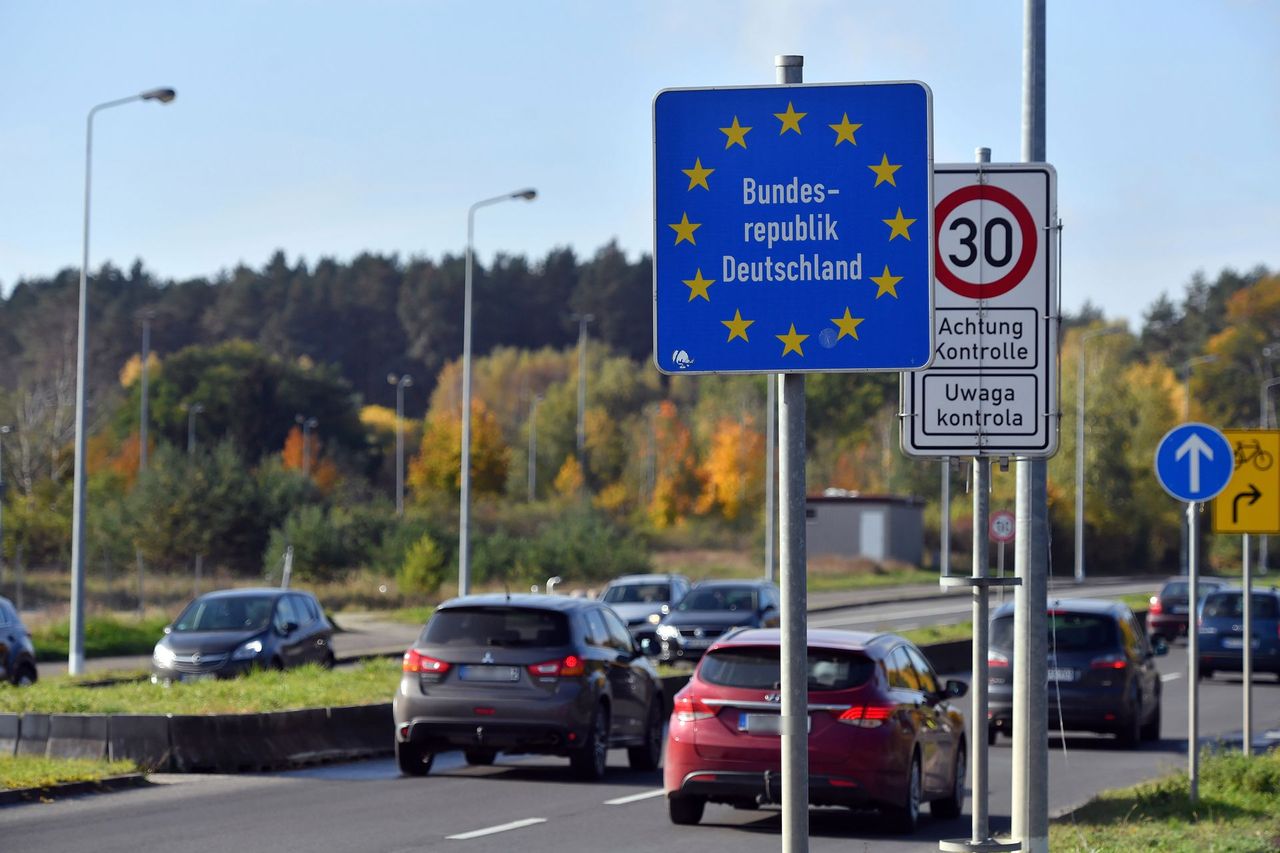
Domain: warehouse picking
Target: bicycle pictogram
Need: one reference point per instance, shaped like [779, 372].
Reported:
[1251, 451]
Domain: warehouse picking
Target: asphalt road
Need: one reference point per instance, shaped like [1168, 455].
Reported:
[532, 805]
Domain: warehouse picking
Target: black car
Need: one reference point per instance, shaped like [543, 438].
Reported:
[543, 674]
[1168, 608]
[17, 654]
[642, 600]
[1101, 670]
[710, 609]
[227, 633]
[1222, 631]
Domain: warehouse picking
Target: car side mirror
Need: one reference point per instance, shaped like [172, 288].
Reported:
[954, 688]
[649, 648]
[288, 628]
[1159, 647]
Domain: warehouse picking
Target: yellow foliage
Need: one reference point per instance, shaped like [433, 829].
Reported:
[381, 420]
[733, 470]
[132, 370]
[291, 456]
[569, 481]
[437, 467]
[614, 498]
[678, 481]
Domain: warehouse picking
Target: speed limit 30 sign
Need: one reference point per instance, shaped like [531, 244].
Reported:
[992, 389]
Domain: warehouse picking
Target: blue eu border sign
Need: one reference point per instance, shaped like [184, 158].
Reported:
[793, 228]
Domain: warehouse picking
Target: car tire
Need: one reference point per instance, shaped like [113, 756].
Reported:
[992, 733]
[1151, 728]
[480, 757]
[905, 818]
[648, 756]
[685, 809]
[413, 760]
[1205, 673]
[25, 675]
[951, 805]
[1130, 734]
[589, 760]
[328, 662]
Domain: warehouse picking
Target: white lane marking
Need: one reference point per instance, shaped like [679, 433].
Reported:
[493, 830]
[622, 801]
[1170, 676]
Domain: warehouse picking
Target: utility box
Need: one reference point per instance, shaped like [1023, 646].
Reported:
[877, 527]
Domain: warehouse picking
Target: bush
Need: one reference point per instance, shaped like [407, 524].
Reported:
[423, 569]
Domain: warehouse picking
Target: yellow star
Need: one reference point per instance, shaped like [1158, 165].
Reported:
[737, 326]
[887, 283]
[847, 325]
[884, 172]
[698, 286]
[845, 130]
[790, 119]
[897, 226]
[698, 175]
[737, 134]
[684, 229]
[791, 341]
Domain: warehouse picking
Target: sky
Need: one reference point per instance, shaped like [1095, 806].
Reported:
[327, 129]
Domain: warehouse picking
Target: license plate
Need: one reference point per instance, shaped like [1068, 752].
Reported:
[1058, 674]
[697, 643]
[1178, 609]
[765, 724]
[195, 676]
[500, 674]
[1235, 642]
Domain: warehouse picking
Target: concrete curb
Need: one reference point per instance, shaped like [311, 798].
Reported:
[71, 789]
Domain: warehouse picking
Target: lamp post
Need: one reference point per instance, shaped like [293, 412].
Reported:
[307, 424]
[4, 430]
[583, 320]
[193, 409]
[464, 500]
[401, 383]
[142, 414]
[1080, 410]
[75, 651]
[533, 446]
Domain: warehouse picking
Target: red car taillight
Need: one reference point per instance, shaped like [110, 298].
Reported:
[997, 659]
[1116, 661]
[566, 667]
[428, 667]
[690, 708]
[865, 716]
[1155, 608]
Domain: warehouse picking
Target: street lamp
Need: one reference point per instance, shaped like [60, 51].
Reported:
[533, 446]
[401, 383]
[193, 409]
[75, 652]
[1084, 339]
[307, 424]
[4, 430]
[464, 500]
[1187, 367]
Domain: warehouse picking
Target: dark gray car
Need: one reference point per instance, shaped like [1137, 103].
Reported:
[713, 608]
[641, 601]
[541, 674]
[226, 633]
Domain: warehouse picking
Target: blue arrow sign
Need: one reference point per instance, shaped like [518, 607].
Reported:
[1194, 462]
[793, 228]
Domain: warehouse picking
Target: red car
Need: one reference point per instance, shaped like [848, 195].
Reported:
[882, 729]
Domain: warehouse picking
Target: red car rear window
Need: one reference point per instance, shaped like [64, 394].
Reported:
[758, 667]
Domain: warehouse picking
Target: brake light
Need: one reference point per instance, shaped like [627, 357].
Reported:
[997, 659]
[566, 667]
[865, 716]
[689, 708]
[1156, 607]
[430, 668]
[1109, 662]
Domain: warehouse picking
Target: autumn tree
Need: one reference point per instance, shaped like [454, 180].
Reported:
[733, 471]
[437, 467]
[677, 479]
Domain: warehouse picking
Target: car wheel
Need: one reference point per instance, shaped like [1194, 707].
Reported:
[685, 809]
[1205, 673]
[648, 756]
[950, 806]
[328, 662]
[905, 818]
[276, 665]
[25, 676]
[992, 732]
[589, 760]
[1130, 733]
[1151, 728]
[413, 760]
[480, 757]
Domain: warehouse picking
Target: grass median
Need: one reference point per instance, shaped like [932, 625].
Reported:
[1238, 811]
[104, 636]
[33, 771]
[368, 683]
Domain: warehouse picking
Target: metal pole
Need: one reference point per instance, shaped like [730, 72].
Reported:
[4, 430]
[1030, 696]
[533, 447]
[1193, 653]
[142, 415]
[1080, 464]
[1248, 650]
[944, 547]
[399, 447]
[191, 433]
[770, 477]
[794, 651]
[981, 642]
[583, 320]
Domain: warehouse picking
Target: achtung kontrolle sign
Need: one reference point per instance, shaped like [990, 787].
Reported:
[992, 389]
[792, 228]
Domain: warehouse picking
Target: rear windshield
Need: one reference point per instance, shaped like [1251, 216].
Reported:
[1230, 605]
[758, 667]
[1180, 589]
[638, 593]
[226, 613]
[497, 626]
[1068, 632]
[739, 598]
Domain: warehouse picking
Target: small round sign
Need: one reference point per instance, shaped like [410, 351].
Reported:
[1194, 462]
[984, 241]
[1001, 526]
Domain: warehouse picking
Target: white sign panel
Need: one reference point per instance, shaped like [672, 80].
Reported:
[992, 389]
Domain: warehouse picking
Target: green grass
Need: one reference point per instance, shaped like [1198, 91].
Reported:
[32, 771]
[306, 687]
[867, 580]
[1238, 811]
[104, 636]
[937, 633]
[408, 615]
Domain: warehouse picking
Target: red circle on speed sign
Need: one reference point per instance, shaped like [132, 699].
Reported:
[1001, 526]
[1027, 225]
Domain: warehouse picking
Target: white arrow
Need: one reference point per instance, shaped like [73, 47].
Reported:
[1195, 447]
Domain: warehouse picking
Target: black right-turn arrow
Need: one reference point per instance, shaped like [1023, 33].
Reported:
[1253, 495]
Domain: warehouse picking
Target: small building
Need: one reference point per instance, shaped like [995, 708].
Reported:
[878, 527]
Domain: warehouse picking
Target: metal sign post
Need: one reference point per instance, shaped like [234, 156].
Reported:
[1248, 649]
